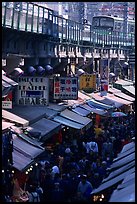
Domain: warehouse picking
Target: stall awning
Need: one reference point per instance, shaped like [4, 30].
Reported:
[46, 127]
[123, 161]
[123, 154]
[83, 96]
[117, 99]
[128, 147]
[33, 113]
[102, 99]
[123, 82]
[7, 85]
[114, 90]
[28, 150]
[97, 104]
[67, 122]
[94, 110]
[56, 107]
[113, 181]
[119, 171]
[6, 125]
[124, 96]
[81, 111]
[126, 194]
[130, 89]
[9, 81]
[14, 118]
[20, 161]
[76, 118]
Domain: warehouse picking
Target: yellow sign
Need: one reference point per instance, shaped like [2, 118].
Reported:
[87, 81]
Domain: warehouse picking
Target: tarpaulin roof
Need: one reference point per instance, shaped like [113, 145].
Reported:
[6, 125]
[33, 113]
[25, 148]
[20, 161]
[123, 82]
[102, 99]
[129, 158]
[94, 109]
[119, 170]
[126, 194]
[99, 105]
[130, 89]
[9, 81]
[14, 118]
[127, 147]
[113, 181]
[46, 127]
[117, 99]
[77, 118]
[81, 111]
[7, 85]
[56, 107]
[113, 90]
[68, 122]
[124, 96]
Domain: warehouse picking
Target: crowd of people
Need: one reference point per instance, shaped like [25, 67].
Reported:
[75, 167]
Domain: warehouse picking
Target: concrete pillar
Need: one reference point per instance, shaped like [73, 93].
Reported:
[31, 61]
[12, 63]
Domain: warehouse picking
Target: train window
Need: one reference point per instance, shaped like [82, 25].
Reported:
[95, 21]
[131, 28]
[106, 22]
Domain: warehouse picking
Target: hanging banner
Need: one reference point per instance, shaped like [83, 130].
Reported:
[33, 91]
[66, 88]
[104, 76]
[104, 69]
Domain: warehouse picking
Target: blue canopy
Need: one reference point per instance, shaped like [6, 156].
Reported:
[81, 111]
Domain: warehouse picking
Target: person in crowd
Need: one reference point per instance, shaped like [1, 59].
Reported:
[107, 148]
[57, 194]
[84, 189]
[33, 195]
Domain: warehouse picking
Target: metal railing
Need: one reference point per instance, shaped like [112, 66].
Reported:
[29, 17]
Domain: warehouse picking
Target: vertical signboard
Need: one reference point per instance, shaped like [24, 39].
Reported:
[66, 88]
[104, 75]
[33, 91]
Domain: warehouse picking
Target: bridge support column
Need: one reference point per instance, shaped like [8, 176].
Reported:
[12, 63]
[31, 61]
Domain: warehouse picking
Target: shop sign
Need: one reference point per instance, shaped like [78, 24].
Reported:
[87, 81]
[33, 91]
[7, 102]
[66, 88]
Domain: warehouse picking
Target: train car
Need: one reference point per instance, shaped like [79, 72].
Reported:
[113, 23]
[105, 22]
